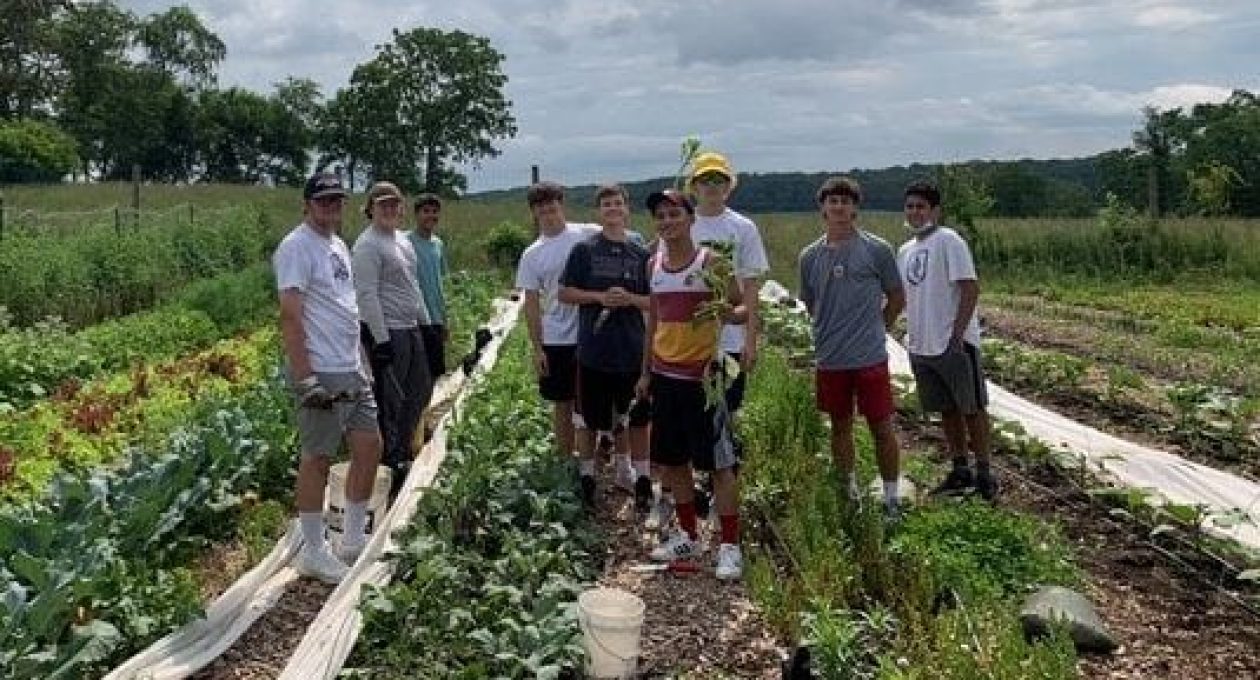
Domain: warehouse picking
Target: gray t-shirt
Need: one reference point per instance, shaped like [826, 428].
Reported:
[844, 285]
[385, 283]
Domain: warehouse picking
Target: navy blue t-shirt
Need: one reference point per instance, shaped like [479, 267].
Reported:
[609, 339]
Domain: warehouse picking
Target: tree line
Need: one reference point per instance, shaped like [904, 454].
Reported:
[91, 90]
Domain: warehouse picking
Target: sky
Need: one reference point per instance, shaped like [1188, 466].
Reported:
[606, 90]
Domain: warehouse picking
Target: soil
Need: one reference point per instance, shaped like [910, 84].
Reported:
[696, 626]
[1170, 623]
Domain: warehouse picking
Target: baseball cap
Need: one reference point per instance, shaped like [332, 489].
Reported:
[323, 184]
[671, 196]
[711, 162]
[428, 199]
[383, 191]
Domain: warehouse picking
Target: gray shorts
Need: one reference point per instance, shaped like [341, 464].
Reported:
[320, 430]
[950, 382]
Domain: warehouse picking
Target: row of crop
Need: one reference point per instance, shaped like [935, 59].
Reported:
[36, 360]
[99, 567]
[99, 272]
[489, 571]
[1204, 419]
[935, 595]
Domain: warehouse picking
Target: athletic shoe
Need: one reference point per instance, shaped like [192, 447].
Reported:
[677, 547]
[643, 495]
[703, 503]
[588, 491]
[662, 514]
[349, 551]
[959, 481]
[624, 477]
[986, 485]
[319, 563]
[730, 562]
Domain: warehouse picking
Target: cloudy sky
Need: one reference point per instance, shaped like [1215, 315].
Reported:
[606, 89]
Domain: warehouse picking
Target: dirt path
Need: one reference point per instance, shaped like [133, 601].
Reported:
[697, 626]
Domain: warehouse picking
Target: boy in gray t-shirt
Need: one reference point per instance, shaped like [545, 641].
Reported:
[851, 287]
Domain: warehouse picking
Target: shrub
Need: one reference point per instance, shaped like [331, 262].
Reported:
[505, 243]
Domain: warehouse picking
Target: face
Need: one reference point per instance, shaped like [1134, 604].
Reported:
[919, 213]
[613, 210]
[673, 222]
[711, 188]
[387, 213]
[325, 212]
[427, 216]
[839, 209]
[549, 215]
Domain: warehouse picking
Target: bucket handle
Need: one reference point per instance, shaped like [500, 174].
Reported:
[582, 624]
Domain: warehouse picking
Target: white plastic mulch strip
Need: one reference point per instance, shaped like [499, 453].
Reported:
[1232, 503]
[329, 639]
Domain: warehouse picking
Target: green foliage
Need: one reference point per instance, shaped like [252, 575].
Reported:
[489, 570]
[101, 271]
[34, 151]
[96, 565]
[505, 243]
[428, 100]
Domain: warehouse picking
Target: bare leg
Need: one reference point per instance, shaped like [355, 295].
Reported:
[842, 452]
[955, 434]
[562, 424]
[887, 453]
[726, 491]
[312, 477]
[978, 435]
[365, 453]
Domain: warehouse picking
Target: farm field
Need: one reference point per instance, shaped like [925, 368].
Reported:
[163, 404]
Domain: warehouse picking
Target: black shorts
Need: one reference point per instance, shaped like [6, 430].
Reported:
[560, 382]
[735, 390]
[952, 382]
[603, 397]
[684, 432]
[434, 348]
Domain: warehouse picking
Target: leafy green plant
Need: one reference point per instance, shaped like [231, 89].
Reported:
[505, 243]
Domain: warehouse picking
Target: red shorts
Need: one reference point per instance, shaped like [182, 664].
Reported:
[835, 391]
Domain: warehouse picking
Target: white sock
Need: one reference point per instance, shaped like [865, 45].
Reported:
[587, 467]
[642, 468]
[356, 522]
[890, 492]
[312, 524]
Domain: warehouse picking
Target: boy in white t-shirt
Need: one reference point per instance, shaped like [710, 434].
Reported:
[943, 338]
[553, 325]
[319, 324]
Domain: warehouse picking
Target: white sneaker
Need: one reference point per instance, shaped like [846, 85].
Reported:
[730, 562]
[677, 547]
[662, 513]
[624, 477]
[349, 551]
[319, 563]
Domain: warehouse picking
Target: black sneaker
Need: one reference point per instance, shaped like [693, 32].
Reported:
[588, 491]
[986, 485]
[643, 495]
[959, 481]
[702, 500]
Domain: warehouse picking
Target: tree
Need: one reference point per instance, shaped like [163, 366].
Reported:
[178, 43]
[965, 198]
[246, 137]
[428, 100]
[1017, 192]
[29, 74]
[92, 41]
[1157, 143]
[34, 151]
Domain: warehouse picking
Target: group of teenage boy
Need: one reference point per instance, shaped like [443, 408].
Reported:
[631, 347]
[627, 348]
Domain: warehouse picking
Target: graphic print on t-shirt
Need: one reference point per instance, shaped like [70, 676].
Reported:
[917, 271]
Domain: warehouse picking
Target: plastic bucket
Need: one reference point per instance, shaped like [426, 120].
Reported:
[611, 621]
[337, 497]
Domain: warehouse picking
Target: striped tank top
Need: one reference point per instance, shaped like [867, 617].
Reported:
[681, 347]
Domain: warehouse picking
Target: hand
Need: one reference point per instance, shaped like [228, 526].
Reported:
[616, 297]
[382, 354]
[540, 363]
[642, 389]
[311, 393]
[748, 357]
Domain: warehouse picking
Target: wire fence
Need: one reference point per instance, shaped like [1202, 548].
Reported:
[31, 222]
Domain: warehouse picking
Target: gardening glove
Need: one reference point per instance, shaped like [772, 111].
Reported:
[311, 393]
[382, 354]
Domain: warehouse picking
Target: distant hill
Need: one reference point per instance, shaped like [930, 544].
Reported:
[1020, 188]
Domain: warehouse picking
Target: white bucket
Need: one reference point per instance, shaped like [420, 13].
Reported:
[337, 497]
[611, 621]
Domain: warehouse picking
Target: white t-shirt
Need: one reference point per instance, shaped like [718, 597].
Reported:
[931, 268]
[750, 257]
[540, 269]
[319, 267]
